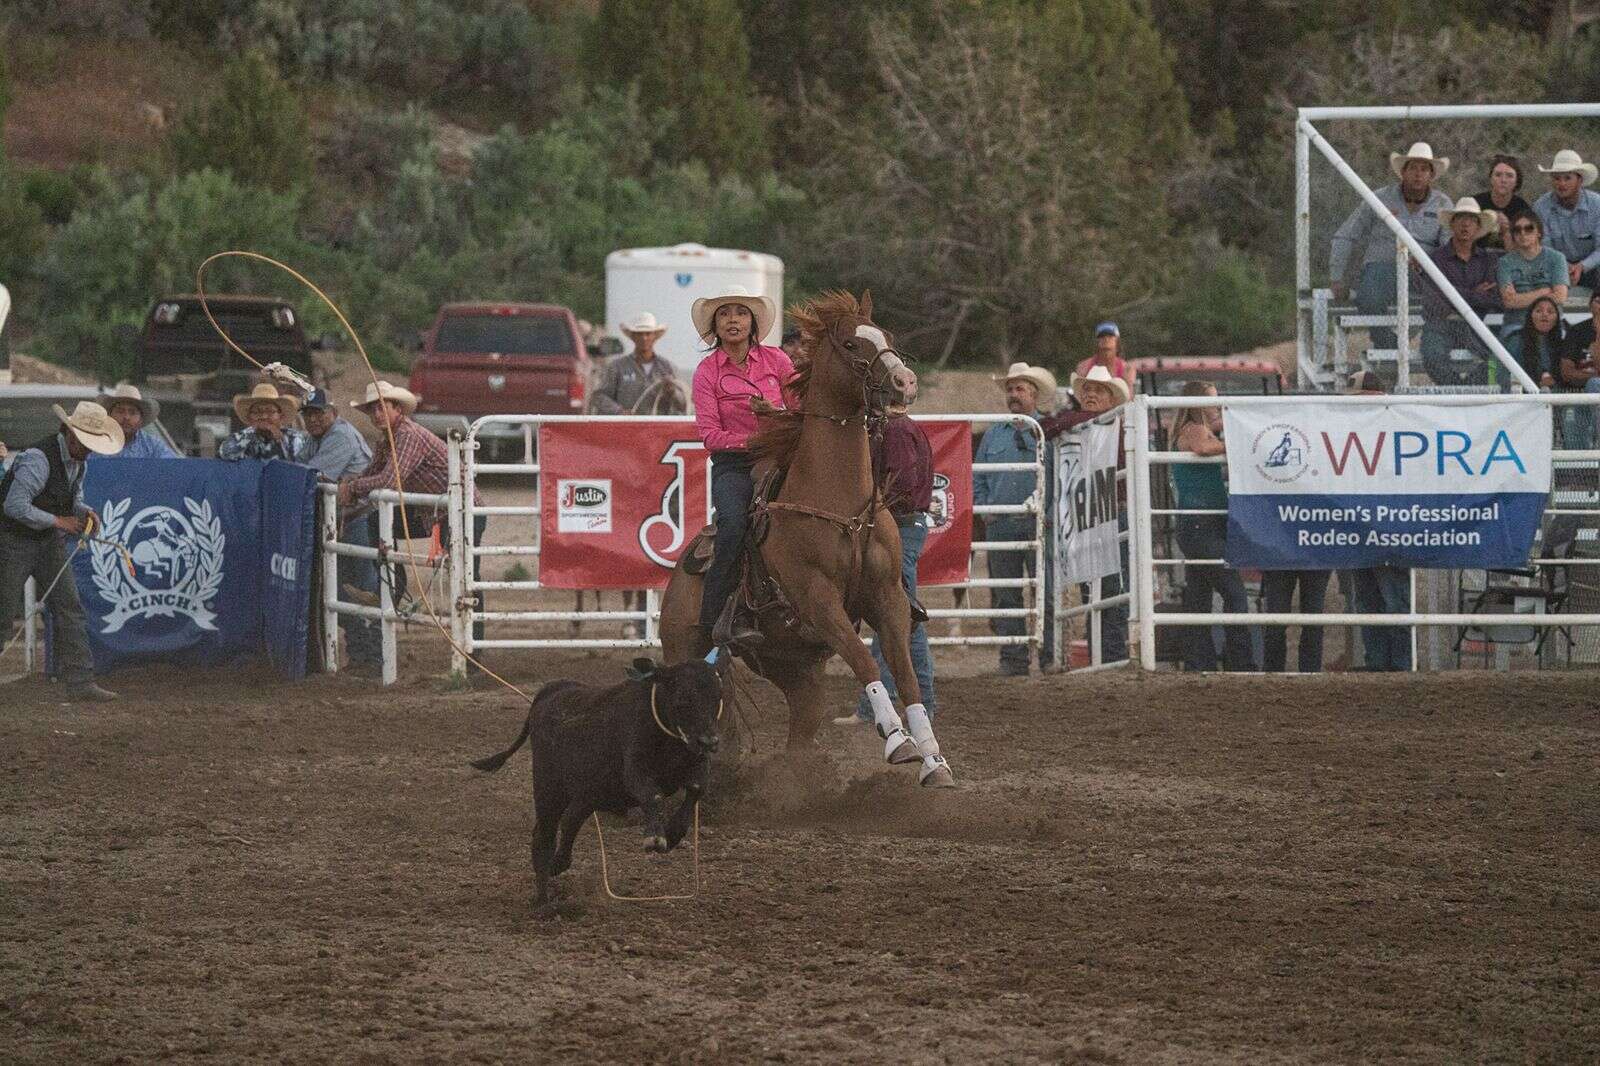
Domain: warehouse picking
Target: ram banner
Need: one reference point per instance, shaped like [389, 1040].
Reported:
[1324, 486]
[1086, 507]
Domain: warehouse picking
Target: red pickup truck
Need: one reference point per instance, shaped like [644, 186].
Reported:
[499, 358]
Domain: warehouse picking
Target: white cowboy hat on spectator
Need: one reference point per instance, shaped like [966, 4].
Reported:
[1420, 150]
[644, 322]
[1488, 221]
[1569, 162]
[1041, 379]
[264, 393]
[704, 311]
[94, 429]
[126, 393]
[1099, 375]
[385, 391]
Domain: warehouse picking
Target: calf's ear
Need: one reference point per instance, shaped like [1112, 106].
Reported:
[643, 669]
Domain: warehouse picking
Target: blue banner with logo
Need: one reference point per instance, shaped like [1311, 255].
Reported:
[193, 587]
[1324, 486]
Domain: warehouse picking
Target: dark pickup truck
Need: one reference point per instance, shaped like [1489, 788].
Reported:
[499, 358]
[179, 348]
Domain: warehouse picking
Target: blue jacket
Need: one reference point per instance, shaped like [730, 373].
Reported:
[999, 445]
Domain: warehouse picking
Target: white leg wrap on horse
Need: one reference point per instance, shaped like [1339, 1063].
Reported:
[895, 737]
[921, 729]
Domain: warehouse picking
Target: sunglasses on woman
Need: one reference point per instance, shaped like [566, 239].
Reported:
[1524, 229]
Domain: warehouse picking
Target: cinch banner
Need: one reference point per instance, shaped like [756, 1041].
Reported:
[221, 562]
[618, 506]
[1086, 508]
[1336, 486]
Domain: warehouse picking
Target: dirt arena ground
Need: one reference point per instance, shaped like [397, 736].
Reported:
[1134, 871]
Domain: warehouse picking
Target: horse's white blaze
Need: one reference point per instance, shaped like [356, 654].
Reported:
[873, 334]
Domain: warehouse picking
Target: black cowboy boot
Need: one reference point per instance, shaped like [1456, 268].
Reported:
[736, 625]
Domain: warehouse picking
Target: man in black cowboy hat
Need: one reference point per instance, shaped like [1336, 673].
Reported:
[41, 503]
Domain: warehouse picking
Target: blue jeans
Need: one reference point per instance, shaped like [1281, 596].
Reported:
[1577, 423]
[1438, 339]
[1385, 590]
[913, 535]
[732, 488]
[361, 635]
[1375, 295]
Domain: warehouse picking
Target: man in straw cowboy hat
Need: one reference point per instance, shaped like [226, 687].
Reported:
[127, 405]
[639, 375]
[1366, 243]
[1470, 269]
[267, 433]
[42, 496]
[419, 462]
[1028, 389]
[1571, 216]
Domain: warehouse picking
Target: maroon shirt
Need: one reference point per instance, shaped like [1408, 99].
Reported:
[906, 459]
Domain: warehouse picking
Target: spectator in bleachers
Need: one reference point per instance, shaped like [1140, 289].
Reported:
[1108, 353]
[1571, 216]
[1527, 272]
[1028, 388]
[1200, 486]
[1366, 243]
[267, 434]
[131, 411]
[1382, 589]
[1470, 269]
[1541, 342]
[339, 451]
[1502, 197]
[1580, 372]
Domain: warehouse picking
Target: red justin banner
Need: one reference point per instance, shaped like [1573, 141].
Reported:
[620, 502]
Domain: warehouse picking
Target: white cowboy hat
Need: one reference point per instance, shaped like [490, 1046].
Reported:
[1099, 375]
[704, 311]
[126, 393]
[644, 322]
[1420, 150]
[1569, 162]
[264, 393]
[385, 391]
[1488, 221]
[1041, 379]
[94, 429]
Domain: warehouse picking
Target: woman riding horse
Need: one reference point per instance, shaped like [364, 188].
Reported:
[739, 369]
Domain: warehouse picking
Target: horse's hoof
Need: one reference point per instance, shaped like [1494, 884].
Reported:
[936, 773]
[903, 752]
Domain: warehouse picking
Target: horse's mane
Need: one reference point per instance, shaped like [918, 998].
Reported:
[779, 431]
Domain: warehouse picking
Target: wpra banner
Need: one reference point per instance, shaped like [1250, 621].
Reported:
[1334, 486]
[618, 506]
[1086, 508]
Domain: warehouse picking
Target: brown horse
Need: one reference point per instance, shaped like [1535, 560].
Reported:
[832, 548]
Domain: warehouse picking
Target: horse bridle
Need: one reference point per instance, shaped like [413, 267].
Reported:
[877, 376]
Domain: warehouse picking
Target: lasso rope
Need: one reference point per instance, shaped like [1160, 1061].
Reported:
[42, 601]
[405, 522]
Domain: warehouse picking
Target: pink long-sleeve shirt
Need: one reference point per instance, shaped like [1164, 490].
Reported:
[723, 390]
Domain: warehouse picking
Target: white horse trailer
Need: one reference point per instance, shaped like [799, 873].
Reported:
[667, 281]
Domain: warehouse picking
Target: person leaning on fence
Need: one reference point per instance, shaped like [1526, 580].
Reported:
[420, 462]
[902, 459]
[1098, 391]
[267, 433]
[1028, 389]
[1365, 243]
[639, 382]
[1526, 273]
[1200, 486]
[41, 503]
[1381, 589]
[339, 451]
[1108, 353]
[1501, 197]
[1570, 214]
[1580, 372]
[738, 372]
[127, 405]
[1470, 269]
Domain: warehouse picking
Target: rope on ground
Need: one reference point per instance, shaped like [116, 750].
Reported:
[605, 876]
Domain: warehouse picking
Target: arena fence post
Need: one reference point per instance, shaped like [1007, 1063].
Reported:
[386, 588]
[1143, 571]
[1402, 314]
[1058, 539]
[460, 552]
[1304, 321]
[30, 600]
[330, 579]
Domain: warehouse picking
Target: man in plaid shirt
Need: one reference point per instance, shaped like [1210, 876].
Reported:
[422, 461]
